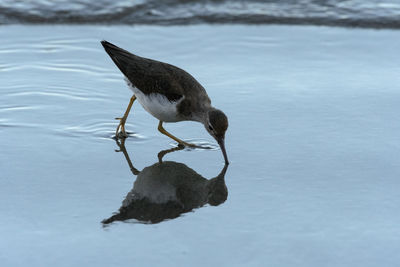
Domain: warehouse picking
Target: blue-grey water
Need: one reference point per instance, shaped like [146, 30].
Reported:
[313, 143]
[355, 13]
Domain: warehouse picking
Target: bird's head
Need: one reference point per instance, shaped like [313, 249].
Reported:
[216, 125]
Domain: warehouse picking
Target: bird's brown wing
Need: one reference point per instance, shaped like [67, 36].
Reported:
[151, 76]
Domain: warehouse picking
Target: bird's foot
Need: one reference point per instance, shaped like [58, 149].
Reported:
[184, 144]
[120, 132]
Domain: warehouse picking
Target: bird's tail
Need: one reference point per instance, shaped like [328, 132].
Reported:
[122, 58]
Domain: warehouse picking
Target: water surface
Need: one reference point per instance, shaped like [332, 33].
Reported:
[313, 144]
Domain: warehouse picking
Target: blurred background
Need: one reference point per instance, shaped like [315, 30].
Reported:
[372, 13]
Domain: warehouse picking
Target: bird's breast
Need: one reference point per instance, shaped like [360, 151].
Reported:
[159, 106]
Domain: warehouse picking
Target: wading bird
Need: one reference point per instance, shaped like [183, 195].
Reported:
[168, 93]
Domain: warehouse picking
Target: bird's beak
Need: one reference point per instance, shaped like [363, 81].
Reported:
[221, 142]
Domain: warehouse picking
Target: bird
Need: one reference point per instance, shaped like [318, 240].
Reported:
[168, 93]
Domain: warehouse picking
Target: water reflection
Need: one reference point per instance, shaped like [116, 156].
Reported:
[167, 189]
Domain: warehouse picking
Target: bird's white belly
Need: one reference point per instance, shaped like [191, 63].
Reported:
[158, 105]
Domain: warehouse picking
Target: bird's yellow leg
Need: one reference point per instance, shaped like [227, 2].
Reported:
[163, 131]
[121, 127]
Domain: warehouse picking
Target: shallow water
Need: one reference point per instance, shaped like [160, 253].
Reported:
[313, 144]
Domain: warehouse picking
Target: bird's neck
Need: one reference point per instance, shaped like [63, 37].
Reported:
[203, 116]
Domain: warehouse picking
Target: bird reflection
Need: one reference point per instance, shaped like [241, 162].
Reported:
[167, 189]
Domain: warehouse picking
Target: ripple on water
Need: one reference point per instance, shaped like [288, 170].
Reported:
[61, 67]
[200, 143]
[6, 123]
[103, 130]
[16, 108]
[45, 45]
[42, 93]
[67, 92]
